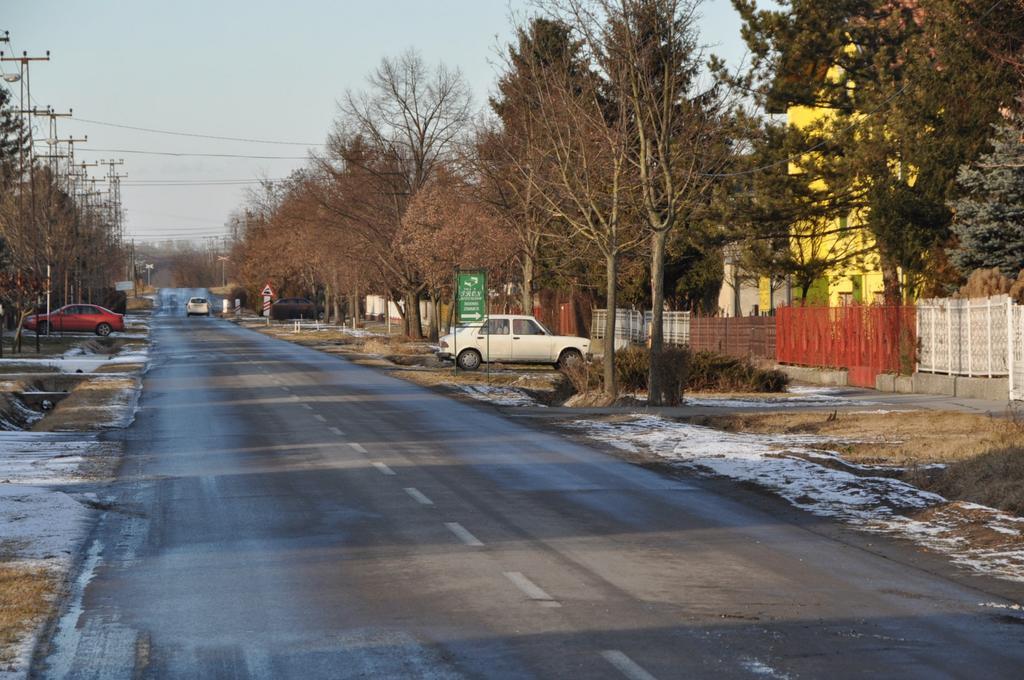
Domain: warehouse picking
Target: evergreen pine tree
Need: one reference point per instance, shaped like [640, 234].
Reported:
[990, 216]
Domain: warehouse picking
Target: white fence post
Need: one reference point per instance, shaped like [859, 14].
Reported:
[976, 343]
[1009, 347]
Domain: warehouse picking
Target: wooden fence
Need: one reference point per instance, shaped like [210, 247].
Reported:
[740, 336]
[743, 337]
[864, 339]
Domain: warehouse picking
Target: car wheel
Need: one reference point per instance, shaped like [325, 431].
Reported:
[469, 360]
[569, 357]
[103, 330]
[41, 328]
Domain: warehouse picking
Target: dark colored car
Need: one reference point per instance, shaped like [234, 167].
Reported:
[294, 308]
[77, 318]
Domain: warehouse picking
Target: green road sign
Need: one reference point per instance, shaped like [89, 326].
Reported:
[471, 295]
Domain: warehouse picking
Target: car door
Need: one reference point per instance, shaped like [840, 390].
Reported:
[87, 318]
[530, 342]
[56, 318]
[496, 343]
[68, 320]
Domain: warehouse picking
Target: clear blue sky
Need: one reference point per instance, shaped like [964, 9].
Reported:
[241, 68]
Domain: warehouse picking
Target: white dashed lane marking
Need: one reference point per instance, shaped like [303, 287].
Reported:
[357, 447]
[320, 418]
[463, 534]
[384, 469]
[531, 589]
[629, 668]
[418, 496]
[336, 431]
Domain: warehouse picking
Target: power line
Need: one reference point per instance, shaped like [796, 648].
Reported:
[200, 183]
[201, 155]
[196, 134]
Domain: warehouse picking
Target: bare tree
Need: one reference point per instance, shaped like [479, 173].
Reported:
[582, 146]
[390, 139]
[677, 134]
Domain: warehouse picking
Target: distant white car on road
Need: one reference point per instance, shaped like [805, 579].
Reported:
[510, 338]
[197, 306]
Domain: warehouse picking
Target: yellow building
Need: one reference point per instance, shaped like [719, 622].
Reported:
[858, 276]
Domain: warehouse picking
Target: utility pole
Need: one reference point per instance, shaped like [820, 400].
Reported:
[114, 190]
[25, 104]
[52, 140]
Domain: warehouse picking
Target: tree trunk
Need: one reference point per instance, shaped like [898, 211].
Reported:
[655, 378]
[890, 282]
[413, 322]
[435, 315]
[527, 293]
[611, 270]
[449, 318]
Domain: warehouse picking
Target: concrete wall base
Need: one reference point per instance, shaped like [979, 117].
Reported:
[815, 376]
[991, 389]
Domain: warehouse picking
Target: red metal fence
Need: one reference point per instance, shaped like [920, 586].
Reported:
[864, 339]
[741, 336]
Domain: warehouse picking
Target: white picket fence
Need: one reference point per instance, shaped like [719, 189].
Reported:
[675, 326]
[631, 326]
[965, 337]
[1015, 355]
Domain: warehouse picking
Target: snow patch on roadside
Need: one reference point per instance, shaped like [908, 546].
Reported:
[77, 361]
[787, 465]
[44, 511]
[801, 395]
[501, 396]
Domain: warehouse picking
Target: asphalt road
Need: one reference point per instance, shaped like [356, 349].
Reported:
[282, 513]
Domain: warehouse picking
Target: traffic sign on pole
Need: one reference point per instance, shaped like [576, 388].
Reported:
[268, 296]
[471, 295]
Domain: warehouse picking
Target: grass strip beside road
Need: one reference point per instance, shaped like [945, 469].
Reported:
[982, 457]
[25, 597]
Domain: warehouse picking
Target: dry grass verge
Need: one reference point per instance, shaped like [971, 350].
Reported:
[138, 304]
[994, 478]
[983, 456]
[25, 597]
[899, 438]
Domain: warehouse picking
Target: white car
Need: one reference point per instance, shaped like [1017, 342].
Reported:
[509, 338]
[198, 306]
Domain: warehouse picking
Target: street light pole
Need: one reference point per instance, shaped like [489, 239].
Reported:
[223, 270]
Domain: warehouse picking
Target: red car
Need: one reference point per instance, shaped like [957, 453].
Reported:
[81, 318]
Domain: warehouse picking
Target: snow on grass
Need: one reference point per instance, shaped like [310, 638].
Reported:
[42, 522]
[49, 458]
[789, 466]
[501, 396]
[76, 360]
[44, 510]
[796, 395]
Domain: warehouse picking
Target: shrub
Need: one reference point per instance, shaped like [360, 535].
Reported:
[239, 293]
[631, 367]
[710, 372]
[681, 371]
[584, 376]
[985, 282]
